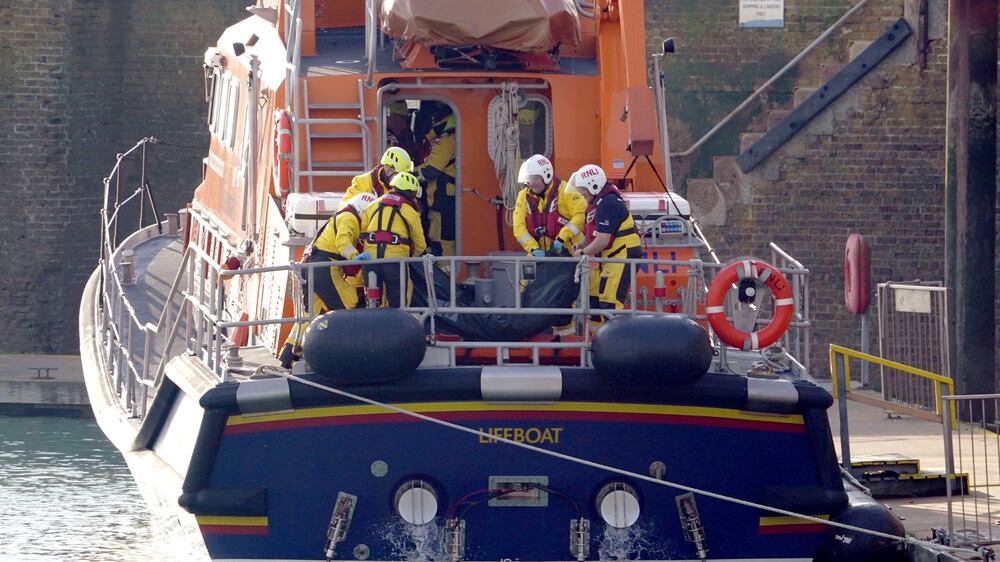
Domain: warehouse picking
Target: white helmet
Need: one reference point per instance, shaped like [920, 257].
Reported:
[359, 202]
[590, 177]
[535, 165]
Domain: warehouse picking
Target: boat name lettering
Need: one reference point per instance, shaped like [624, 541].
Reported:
[530, 435]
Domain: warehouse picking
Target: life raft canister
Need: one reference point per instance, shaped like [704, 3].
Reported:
[857, 274]
[760, 272]
[282, 152]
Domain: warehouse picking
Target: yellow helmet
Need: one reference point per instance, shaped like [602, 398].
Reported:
[397, 159]
[405, 181]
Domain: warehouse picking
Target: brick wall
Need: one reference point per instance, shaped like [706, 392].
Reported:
[84, 79]
[873, 163]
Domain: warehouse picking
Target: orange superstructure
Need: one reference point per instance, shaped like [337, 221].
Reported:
[345, 87]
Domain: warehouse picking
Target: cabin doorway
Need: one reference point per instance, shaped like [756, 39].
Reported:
[427, 129]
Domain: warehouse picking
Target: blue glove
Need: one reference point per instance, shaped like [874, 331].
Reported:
[538, 253]
[362, 256]
[557, 246]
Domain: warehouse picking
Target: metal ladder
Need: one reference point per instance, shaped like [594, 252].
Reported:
[335, 168]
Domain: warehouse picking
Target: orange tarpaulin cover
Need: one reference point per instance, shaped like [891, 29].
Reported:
[518, 25]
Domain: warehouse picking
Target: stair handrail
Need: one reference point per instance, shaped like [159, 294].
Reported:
[371, 30]
[293, 62]
[757, 93]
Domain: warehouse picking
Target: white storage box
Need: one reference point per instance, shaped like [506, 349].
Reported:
[649, 204]
[305, 213]
[661, 218]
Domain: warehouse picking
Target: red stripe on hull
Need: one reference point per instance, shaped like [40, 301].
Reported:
[669, 419]
[233, 530]
[792, 529]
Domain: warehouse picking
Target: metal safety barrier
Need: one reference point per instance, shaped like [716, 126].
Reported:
[913, 330]
[840, 372]
[972, 446]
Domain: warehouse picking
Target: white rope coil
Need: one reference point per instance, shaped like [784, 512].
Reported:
[503, 141]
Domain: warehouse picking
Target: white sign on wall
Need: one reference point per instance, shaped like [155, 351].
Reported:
[762, 13]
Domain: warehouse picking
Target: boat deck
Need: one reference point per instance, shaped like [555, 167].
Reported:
[156, 263]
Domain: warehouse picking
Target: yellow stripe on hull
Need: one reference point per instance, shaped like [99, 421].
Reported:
[583, 407]
[786, 520]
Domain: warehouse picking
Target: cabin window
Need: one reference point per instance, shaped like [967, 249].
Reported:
[534, 119]
[224, 108]
[213, 115]
[213, 97]
[232, 111]
[221, 104]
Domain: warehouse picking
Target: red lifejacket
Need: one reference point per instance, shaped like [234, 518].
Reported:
[394, 201]
[377, 186]
[590, 227]
[547, 221]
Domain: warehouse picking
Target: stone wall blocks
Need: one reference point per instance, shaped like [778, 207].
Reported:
[735, 186]
[708, 205]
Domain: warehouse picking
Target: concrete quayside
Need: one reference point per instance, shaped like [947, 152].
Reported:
[42, 385]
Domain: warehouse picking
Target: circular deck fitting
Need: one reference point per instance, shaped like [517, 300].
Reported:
[618, 505]
[416, 502]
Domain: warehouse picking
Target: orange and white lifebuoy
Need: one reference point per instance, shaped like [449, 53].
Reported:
[761, 273]
[282, 152]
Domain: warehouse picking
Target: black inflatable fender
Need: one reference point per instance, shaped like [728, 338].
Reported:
[652, 350]
[843, 545]
[364, 346]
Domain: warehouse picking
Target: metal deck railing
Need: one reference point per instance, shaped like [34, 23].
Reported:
[206, 328]
[197, 315]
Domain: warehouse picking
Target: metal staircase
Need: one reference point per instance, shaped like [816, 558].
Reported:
[335, 137]
[340, 136]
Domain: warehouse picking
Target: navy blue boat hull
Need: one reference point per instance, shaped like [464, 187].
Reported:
[264, 486]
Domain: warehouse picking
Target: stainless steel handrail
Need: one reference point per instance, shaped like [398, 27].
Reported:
[201, 314]
[689, 302]
[371, 24]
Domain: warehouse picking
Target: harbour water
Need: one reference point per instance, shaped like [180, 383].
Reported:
[66, 494]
